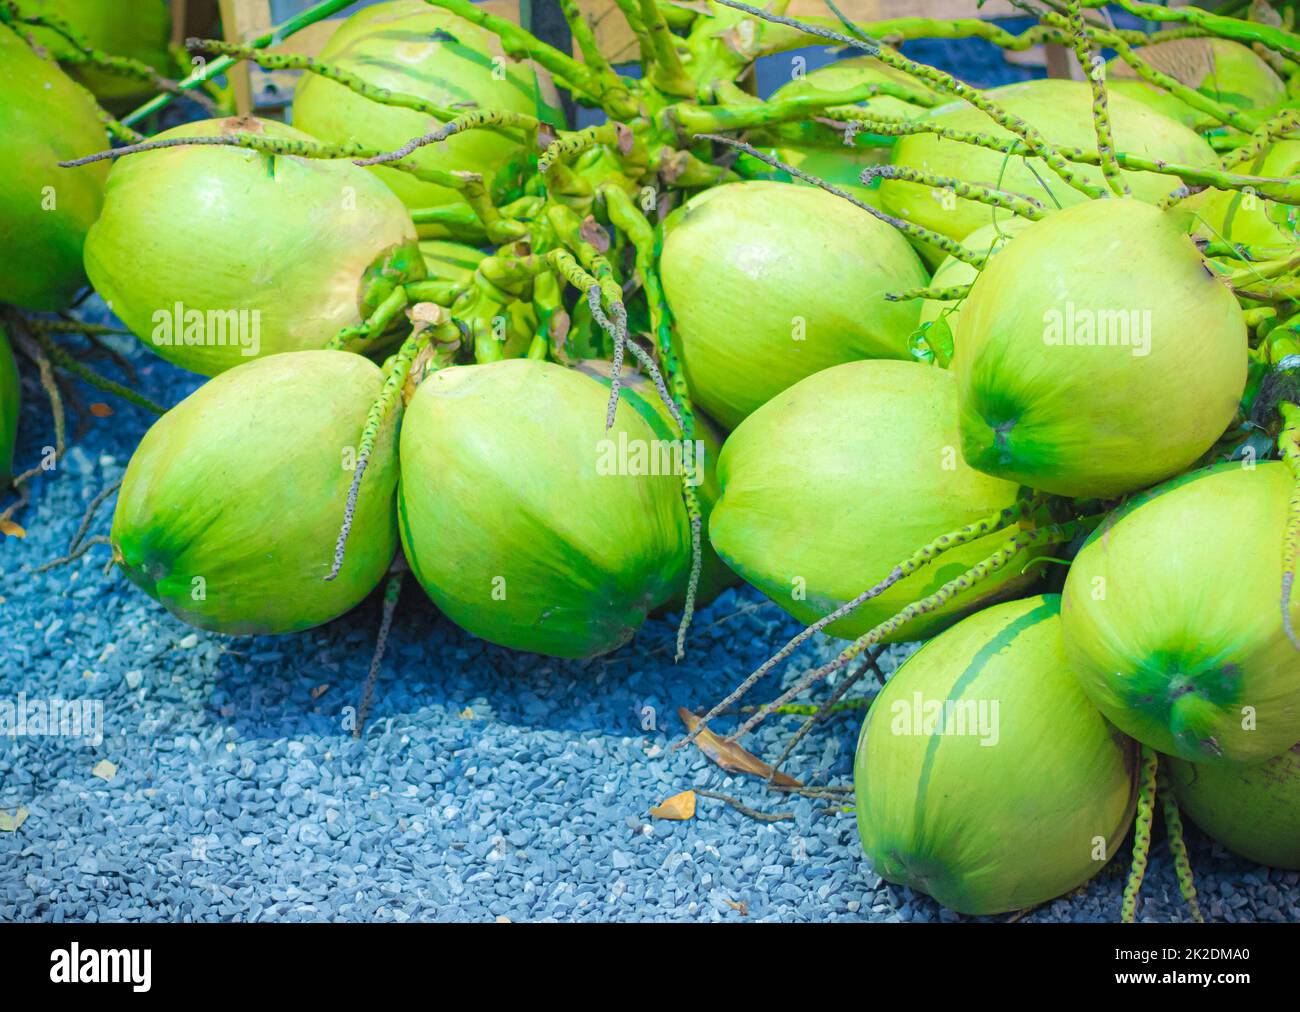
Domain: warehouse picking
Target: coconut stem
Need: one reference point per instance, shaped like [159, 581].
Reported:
[1225, 114]
[392, 591]
[86, 54]
[909, 28]
[1146, 805]
[666, 72]
[693, 119]
[1013, 547]
[1246, 32]
[476, 120]
[1265, 270]
[1039, 144]
[869, 665]
[75, 327]
[596, 278]
[1286, 191]
[1288, 445]
[601, 86]
[282, 31]
[1263, 137]
[584, 37]
[628, 218]
[911, 230]
[918, 560]
[332, 72]
[631, 12]
[289, 146]
[376, 323]
[1178, 842]
[949, 294]
[65, 361]
[397, 371]
[45, 371]
[1095, 70]
[1025, 207]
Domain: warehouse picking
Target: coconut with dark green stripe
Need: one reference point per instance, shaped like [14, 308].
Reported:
[230, 507]
[10, 394]
[412, 48]
[984, 776]
[1083, 380]
[1253, 810]
[526, 521]
[1172, 617]
[835, 481]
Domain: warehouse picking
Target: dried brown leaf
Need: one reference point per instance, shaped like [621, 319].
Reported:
[730, 756]
[679, 807]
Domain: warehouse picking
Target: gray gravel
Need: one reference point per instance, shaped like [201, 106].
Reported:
[488, 784]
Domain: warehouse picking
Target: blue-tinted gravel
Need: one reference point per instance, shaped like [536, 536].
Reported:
[488, 784]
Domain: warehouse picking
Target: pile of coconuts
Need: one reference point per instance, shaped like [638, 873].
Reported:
[1012, 372]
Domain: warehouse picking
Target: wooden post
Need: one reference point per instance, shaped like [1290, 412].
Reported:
[242, 20]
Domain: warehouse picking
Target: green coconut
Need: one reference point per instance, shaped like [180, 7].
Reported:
[984, 777]
[1220, 69]
[640, 392]
[140, 30]
[230, 507]
[769, 283]
[804, 145]
[525, 521]
[10, 398]
[938, 322]
[1172, 620]
[409, 47]
[1241, 216]
[874, 446]
[215, 255]
[1253, 810]
[1062, 111]
[45, 118]
[1083, 380]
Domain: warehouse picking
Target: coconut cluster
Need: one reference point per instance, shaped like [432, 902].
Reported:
[1011, 373]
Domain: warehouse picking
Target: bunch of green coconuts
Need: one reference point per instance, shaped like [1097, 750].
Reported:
[1010, 371]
